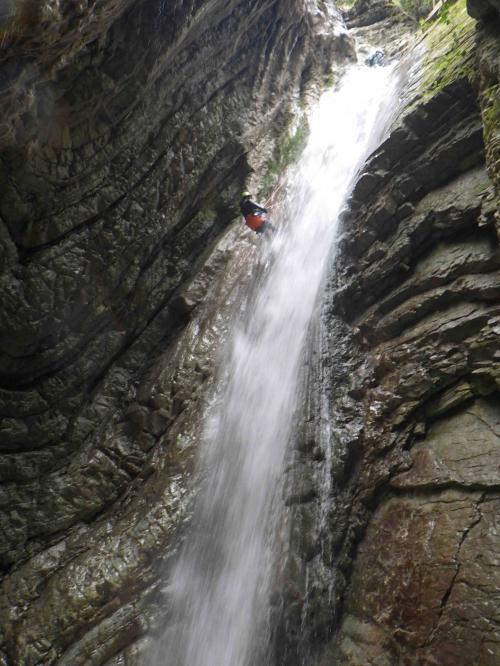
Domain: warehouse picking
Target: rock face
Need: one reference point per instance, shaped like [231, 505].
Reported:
[128, 130]
[365, 13]
[480, 9]
[401, 555]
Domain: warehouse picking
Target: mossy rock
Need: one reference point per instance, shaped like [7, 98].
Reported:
[450, 50]
[288, 146]
[491, 112]
[490, 104]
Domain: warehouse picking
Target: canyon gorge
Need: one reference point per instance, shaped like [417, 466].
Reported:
[128, 131]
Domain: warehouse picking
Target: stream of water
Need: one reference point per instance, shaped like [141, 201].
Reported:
[220, 586]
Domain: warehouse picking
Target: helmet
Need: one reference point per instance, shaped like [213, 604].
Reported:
[245, 194]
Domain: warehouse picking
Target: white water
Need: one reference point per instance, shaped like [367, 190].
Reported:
[220, 585]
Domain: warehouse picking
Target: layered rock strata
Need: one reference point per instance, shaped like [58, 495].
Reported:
[402, 555]
[127, 131]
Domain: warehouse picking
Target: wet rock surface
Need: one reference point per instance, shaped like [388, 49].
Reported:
[401, 558]
[379, 24]
[365, 13]
[128, 130]
[95, 591]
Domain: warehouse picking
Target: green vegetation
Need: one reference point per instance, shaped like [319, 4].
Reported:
[287, 149]
[329, 80]
[491, 112]
[449, 42]
[490, 109]
[450, 49]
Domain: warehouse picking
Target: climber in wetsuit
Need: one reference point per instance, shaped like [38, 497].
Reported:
[255, 215]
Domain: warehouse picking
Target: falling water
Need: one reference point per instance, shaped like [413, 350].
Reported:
[220, 586]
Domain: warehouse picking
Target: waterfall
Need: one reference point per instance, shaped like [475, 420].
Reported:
[219, 588]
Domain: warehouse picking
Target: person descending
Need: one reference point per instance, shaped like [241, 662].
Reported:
[376, 59]
[255, 215]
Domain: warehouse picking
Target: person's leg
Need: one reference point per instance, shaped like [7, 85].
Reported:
[265, 226]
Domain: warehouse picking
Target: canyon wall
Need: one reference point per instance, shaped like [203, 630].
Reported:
[128, 131]
[401, 556]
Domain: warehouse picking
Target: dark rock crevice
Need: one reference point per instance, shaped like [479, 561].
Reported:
[475, 521]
